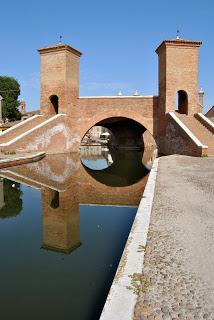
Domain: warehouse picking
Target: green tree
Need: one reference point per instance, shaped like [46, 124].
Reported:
[12, 199]
[10, 90]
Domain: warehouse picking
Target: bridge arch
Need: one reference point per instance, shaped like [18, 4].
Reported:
[123, 125]
[91, 121]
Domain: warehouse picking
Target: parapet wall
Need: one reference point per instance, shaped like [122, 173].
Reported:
[141, 109]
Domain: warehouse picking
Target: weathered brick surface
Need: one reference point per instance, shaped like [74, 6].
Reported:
[60, 77]
[54, 137]
[141, 109]
[204, 135]
[178, 70]
[178, 142]
[17, 130]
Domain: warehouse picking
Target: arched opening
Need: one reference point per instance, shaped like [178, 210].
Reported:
[182, 102]
[54, 104]
[126, 132]
[94, 149]
[123, 160]
[55, 200]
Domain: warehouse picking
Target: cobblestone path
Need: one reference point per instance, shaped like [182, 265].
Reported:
[179, 259]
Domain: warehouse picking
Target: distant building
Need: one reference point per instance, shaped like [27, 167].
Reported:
[26, 115]
[4, 125]
[94, 134]
[22, 106]
[29, 114]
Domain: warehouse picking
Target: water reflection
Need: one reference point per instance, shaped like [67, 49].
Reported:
[126, 168]
[60, 220]
[10, 198]
[96, 157]
[65, 183]
[64, 261]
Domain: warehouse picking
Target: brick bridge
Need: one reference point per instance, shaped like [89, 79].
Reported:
[174, 117]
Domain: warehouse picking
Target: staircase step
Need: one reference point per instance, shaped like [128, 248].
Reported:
[20, 128]
[203, 134]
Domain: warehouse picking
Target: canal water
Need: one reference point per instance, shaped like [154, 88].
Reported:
[64, 222]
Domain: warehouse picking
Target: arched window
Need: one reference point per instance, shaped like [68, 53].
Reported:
[54, 104]
[182, 102]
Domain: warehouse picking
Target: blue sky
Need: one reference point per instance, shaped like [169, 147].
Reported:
[118, 40]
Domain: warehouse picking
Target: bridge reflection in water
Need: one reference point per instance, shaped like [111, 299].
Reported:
[80, 207]
[65, 184]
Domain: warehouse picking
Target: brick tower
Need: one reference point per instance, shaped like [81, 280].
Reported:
[59, 80]
[178, 76]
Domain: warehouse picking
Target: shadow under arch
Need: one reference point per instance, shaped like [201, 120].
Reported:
[127, 130]
[127, 169]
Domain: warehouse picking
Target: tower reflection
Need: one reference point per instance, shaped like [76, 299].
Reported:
[61, 225]
[65, 184]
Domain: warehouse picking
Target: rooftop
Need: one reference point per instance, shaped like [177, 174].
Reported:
[179, 42]
[59, 47]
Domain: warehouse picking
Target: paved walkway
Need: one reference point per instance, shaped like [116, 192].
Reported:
[179, 258]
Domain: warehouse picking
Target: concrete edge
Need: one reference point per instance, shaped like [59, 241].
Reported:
[120, 303]
[188, 132]
[19, 124]
[208, 121]
[17, 160]
[22, 135]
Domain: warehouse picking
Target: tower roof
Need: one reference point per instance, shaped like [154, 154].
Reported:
[59, 47]
[179, 42]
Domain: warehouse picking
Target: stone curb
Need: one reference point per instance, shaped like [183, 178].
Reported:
[17, 160]
[120, 303]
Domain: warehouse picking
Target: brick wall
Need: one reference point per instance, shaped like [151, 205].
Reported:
[60, 77]
[141, 109]
[178, 142]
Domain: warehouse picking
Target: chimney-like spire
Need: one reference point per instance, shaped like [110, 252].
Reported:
[22, 106]
[201, 98]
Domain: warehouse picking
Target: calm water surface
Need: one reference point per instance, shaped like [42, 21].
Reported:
[64, 222]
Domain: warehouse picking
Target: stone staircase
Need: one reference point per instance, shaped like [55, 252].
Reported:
[46, 134]
[202, 132]
[21, 128]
